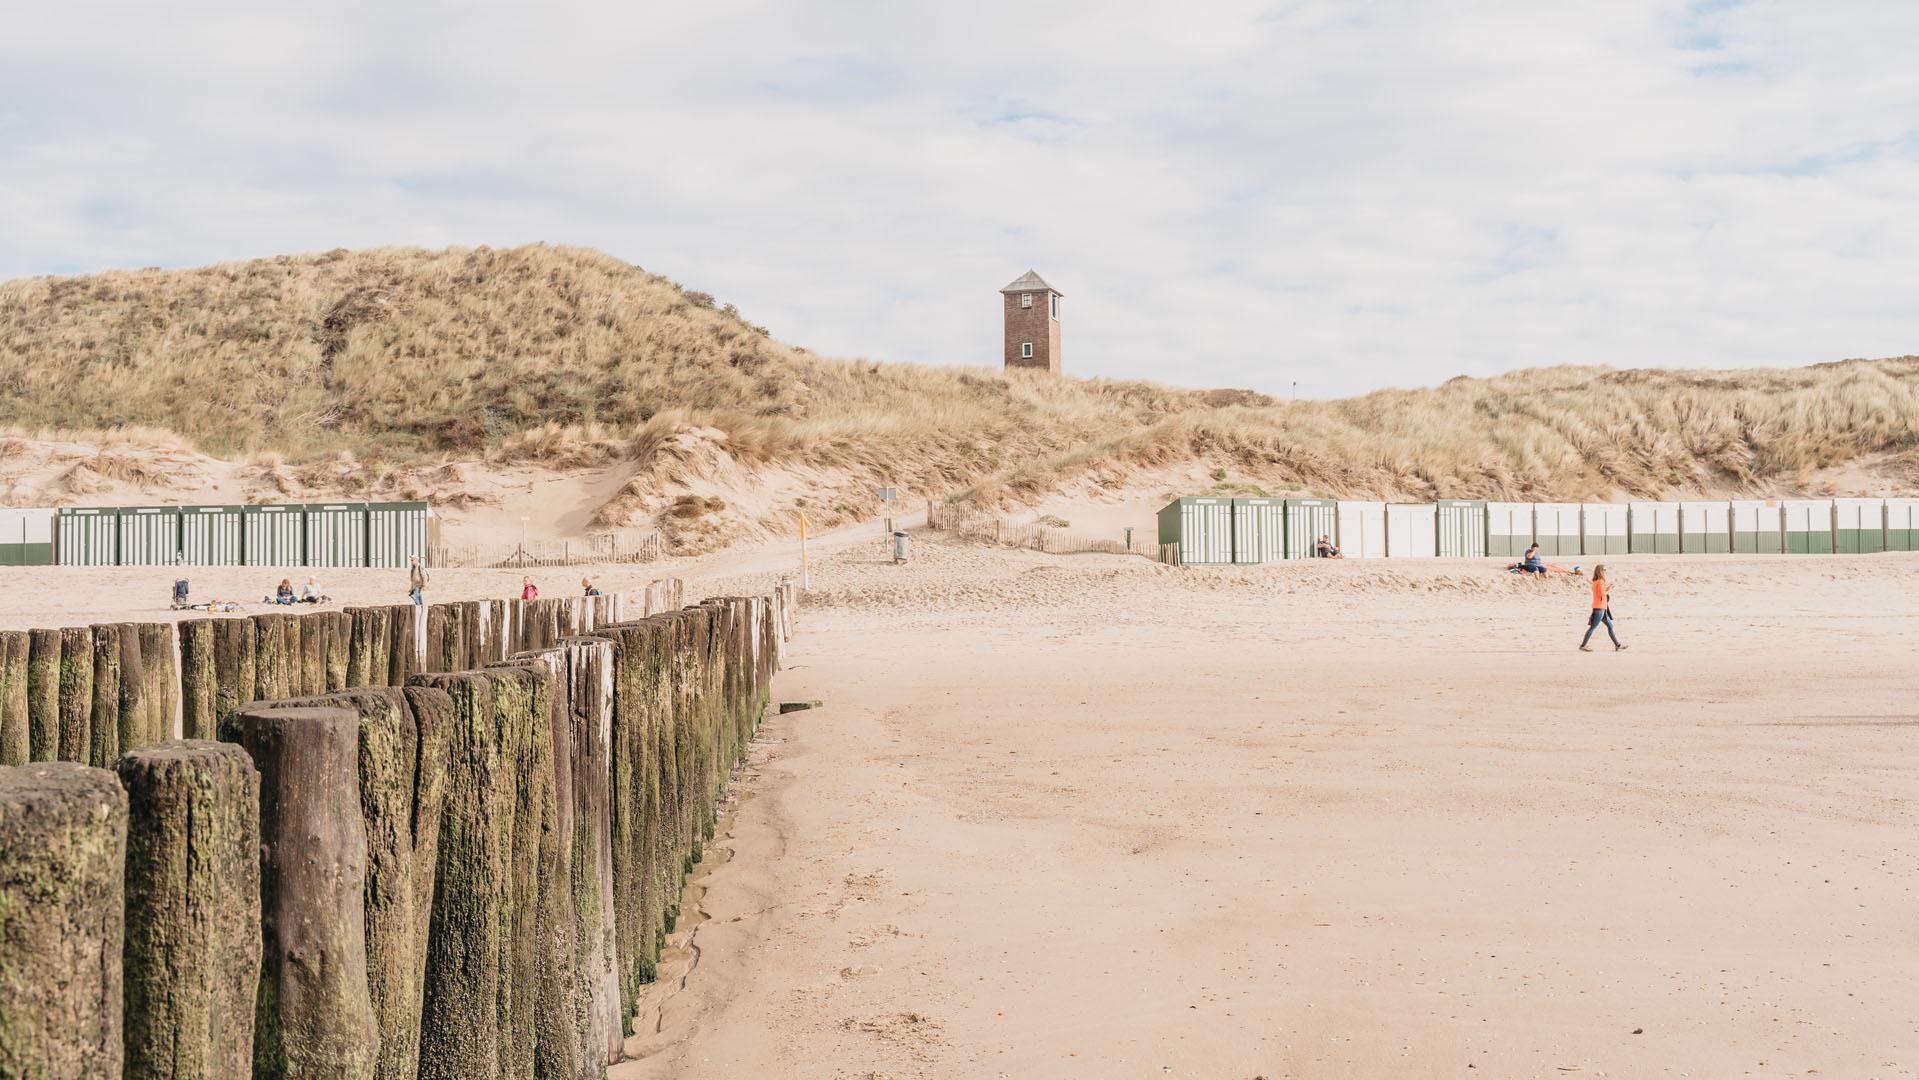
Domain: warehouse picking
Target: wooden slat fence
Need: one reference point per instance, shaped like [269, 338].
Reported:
[1033, 536]
[605, 548]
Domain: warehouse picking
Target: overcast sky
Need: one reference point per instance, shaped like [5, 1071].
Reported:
[1346, 193]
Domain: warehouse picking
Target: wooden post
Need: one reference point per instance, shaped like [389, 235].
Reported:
[104, 716]
[199, 685]
[63, 840]
[15, 742]
[43, 695]
[234, 666]
[76, 694]
[315, 1016]
[192, 910]
[159, 657]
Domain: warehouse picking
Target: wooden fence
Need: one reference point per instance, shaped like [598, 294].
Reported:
[1033, 536]
[593, 550]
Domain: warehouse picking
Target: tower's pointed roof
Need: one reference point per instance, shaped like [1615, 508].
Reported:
[1030, 282]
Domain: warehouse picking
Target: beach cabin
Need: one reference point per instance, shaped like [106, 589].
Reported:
[149, 535]
[1460, 528]
[1859, 525]
[1652, 528]
[1556, 529]
[26, 536]
[336, 534]
[1362, 529]
[275, 535]
[1509, 528]
[1306, 521]
[1412, 531]
[1602, 528]
[212, 535]
[1902, 524]
[87, 537]
[1758, 526]
[1807, 524]
[1201, 526]
[1259, 530]
[395, 531]
[1705, 527]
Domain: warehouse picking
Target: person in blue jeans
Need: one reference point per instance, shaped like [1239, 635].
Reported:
[1602, 612]
[416, 580]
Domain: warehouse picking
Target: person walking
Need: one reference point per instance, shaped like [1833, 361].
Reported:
[1602, 611]
[416, 580]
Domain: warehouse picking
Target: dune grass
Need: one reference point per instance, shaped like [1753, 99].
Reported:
[570, 358]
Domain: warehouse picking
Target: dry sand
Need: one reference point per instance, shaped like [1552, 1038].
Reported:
[1086, 816]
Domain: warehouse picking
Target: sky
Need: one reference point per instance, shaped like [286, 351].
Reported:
[1342, 194]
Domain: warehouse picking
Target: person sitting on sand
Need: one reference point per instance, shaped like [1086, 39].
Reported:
[588, 588]
[1325, 550]
[283, 594]
[528, 590]
[1530, 563]
[310, 592]
[1602, 612]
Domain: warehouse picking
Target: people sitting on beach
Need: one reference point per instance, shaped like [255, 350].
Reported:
[588, 588]
[310, 593]
[1530, 563]
[1325, 550]
[283, 594]
[528, 590]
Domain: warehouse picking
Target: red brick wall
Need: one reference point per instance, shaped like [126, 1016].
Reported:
[1034, 324]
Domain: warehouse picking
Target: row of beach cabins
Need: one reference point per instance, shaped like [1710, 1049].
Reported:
[1213, 530]
[286, 535]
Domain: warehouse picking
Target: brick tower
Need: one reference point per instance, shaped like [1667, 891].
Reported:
[1032, 324]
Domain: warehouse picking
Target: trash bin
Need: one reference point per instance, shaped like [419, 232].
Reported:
[899, 547]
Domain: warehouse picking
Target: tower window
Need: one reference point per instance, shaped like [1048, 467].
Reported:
[1025, 299]
[1025, 350]
[1055, 297]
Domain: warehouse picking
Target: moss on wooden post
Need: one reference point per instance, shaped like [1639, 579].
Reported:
[192, 955]
[15, 742]
[497, 838]
[293, 629]
[63, 836]
[315, 1016]
[76, 694]
[234, 675]
[43, 695]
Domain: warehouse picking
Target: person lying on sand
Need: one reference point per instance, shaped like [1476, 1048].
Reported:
[1325, 550]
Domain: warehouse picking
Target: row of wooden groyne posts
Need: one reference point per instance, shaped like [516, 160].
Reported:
[388, 842]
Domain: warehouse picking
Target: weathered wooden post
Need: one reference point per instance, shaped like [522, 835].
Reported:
[135, 715]
[234, 665]
[76, 693]
[192, 956]
[159, 658]
[15, 742]
[43, 695]
[103, 747]
[589, 663]
[63, 840]
[271, 668]
[199, 685]
[315, 1015]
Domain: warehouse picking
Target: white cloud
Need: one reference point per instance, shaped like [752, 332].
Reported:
[1351, 194]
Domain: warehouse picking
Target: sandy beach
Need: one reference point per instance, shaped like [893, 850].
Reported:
[1090, 816]
[1086, 816]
